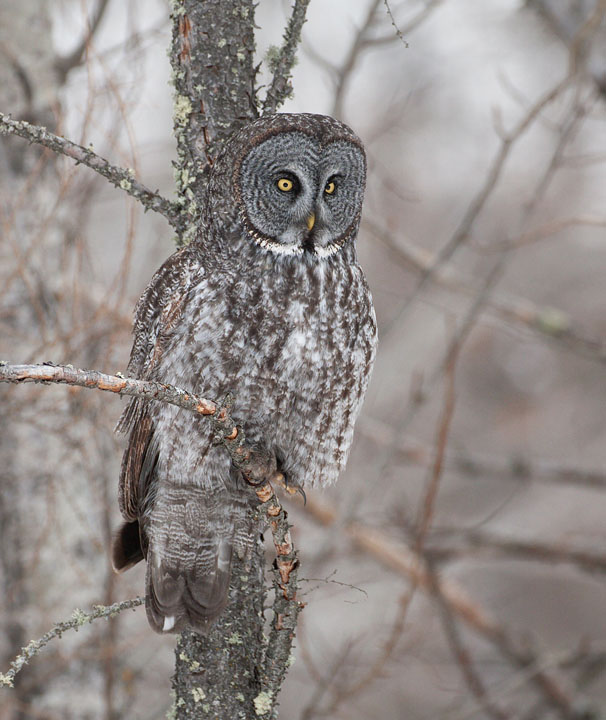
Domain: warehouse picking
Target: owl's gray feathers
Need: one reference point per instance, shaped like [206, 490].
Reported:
[275, 313]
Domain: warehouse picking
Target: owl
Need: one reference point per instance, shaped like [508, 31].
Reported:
[270, 305]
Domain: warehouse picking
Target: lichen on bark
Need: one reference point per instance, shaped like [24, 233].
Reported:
[212, 54]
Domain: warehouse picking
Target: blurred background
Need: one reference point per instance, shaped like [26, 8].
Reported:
[456, 570]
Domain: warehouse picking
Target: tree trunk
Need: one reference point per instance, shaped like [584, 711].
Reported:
[212, 57]
[234, 671]
[217, 676]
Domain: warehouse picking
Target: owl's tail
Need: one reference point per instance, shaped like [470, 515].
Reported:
[188, 592]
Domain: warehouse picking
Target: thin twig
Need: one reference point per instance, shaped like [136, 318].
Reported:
[283, 62]
[78, 619]
[393, 22]
[118, 176]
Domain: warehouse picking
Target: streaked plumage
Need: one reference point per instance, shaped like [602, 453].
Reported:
[277, 315]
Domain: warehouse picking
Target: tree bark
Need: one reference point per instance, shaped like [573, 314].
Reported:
[217, 676]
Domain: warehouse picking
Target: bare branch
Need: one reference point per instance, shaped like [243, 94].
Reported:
[486, 545]
[78, 619]
[353, 56]
[472, 464]
[580, 31]
[146, 389]
[550, 229]
[256, 466]
[431, 493]
[461, 234]
[283, 63]
[117, 176]
[393, 22]
[461, 653]
[362, 41]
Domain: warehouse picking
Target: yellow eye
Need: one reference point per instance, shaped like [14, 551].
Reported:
[330, 188]
[285, 184]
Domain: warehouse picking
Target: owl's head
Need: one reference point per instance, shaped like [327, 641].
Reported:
[298, 182]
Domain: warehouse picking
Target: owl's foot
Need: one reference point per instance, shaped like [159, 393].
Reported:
[258, 465]
[291, 487]
[281, 479]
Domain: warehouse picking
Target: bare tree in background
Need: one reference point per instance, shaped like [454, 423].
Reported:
[468, 531]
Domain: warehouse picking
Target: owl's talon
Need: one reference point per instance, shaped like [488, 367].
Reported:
[292, 488]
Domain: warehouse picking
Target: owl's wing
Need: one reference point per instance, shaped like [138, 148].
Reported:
[157, 313]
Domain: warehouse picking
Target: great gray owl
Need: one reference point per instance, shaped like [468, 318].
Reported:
[270, 305]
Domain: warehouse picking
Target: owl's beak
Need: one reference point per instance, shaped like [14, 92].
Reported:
[311, 221]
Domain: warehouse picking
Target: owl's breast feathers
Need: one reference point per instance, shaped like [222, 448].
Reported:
[294, 344]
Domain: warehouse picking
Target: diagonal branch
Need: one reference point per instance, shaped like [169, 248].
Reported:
[120, 177]
[283, 62]
[461, 653]
[257, 466]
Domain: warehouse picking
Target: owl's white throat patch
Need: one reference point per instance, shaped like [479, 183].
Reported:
[307, 246]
